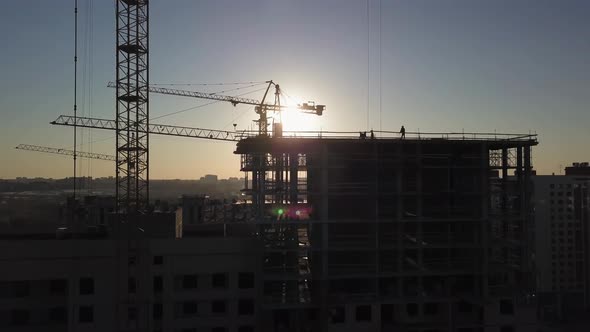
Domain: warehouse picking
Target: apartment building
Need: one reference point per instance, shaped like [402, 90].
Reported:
[561, 245]
[184, 285]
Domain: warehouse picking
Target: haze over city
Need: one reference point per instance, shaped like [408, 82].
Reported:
[433, 66]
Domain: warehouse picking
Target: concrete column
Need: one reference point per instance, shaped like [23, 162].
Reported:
[419, 212]
[526, 210]
[324, 316]
[399, 209]
[485, 219]
[293, 178]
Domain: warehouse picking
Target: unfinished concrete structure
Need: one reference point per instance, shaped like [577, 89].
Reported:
[426, 233]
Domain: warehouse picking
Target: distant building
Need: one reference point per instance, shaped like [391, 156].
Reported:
[192, 209]
[209, 178]
[562, 237]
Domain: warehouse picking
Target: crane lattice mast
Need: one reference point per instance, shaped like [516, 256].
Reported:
[132, 107]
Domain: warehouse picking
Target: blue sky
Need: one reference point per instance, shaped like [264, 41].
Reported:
[448, 65]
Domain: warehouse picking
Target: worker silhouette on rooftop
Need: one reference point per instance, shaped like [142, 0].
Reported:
[402, 132]
[372, 134]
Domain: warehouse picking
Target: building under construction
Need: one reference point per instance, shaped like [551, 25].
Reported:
[421, 233]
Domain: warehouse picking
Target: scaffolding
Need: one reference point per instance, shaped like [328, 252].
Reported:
[435, 221]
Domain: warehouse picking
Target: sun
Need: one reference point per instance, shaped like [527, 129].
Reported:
[294, 120]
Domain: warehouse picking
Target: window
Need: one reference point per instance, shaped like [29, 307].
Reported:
[506, 307]
[157, 311]
[412, 309]
[245, 280]
[507, 329]
[58, 287]
[86, 314]
[158, 284]
[131, 285]
[189, 308]
[219, 280]
[132, 313]
[86, 286]
[218, 307]
[246, 307]
[338, 315]
[246, 328]
[21, 288]
[158, 260]
[430, 308]
[19, 317]
[363, 313]
[189, 281]
[387, 312]
[58, 315]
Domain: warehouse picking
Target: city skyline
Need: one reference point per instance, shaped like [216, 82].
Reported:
[444, 66]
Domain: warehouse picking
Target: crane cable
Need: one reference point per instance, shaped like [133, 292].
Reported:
[368, 61]
[203, 105]
[75, 85]
[208, 84]
[88, 83]
[235, 89]
[183, 110]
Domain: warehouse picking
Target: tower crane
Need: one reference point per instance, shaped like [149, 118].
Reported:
[160, 129]
[65, 152]
[261, 108]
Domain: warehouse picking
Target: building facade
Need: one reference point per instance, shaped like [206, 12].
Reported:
[413, 234]
[561, 241]
[177, 285]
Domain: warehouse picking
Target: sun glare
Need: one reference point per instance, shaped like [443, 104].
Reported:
[295, 120]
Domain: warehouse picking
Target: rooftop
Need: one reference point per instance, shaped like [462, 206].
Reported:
[307, 140]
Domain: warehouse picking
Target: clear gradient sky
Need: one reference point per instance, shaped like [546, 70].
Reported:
[446, 65]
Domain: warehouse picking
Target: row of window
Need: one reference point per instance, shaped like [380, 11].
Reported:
[55, 315]
[575, 224]
[561, 210]
[58, 315]
[56, 287]
[561, 240]
[562, 233]
[567, 185]
[218, 307]
[243, 328]
[363, 312]
[570, 254]
[562, 218]
[217, 281]
[59, 287]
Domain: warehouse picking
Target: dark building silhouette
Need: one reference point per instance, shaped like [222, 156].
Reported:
[428, 234]
[561, 248]
[409, 235]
